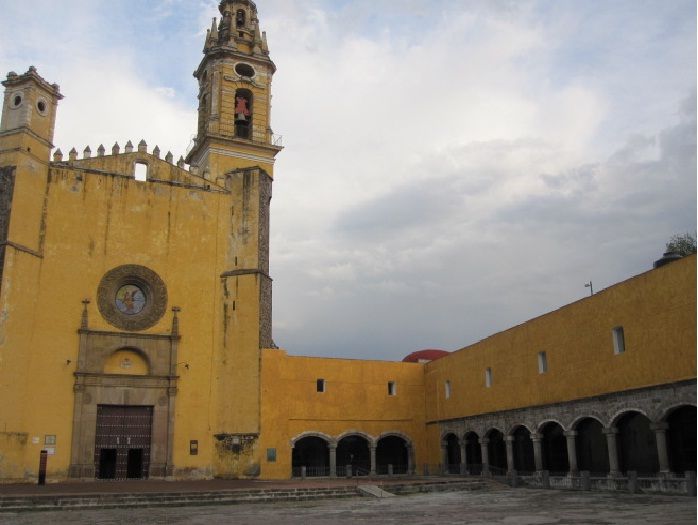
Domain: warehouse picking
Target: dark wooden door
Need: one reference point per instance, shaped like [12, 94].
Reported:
[122, 441]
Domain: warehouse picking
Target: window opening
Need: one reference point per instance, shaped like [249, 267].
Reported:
[320, 385]
[488, 377]
[618, 340]
[542, 362]
[243, 113]
[447, 389]
[240, 18]
[141, 171]
[392, 389]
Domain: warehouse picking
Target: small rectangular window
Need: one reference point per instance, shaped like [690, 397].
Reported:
[271, 455]
[542, 362]
[447, 389]
[488, 377]
[392, 390]
[193, 447]
[618, 340]
[320, 385]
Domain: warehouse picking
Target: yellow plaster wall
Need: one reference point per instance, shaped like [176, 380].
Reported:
[89, 224]
[656, 309]
[355, 399]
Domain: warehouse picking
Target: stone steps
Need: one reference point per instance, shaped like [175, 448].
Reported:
[165, 499]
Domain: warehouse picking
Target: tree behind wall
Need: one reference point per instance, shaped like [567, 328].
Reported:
[683, 244]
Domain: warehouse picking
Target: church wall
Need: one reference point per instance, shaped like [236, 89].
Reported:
[355, 400]
[89, 224]
[656, 309]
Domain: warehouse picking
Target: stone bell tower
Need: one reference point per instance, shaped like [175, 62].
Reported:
[234, 127]
[235, 144]
[26, 135]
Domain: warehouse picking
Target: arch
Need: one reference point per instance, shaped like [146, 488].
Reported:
[243, 113]
[522, 446]
[637, 445]
[312, 452]
[395, 433]
[312, 433]
[547, 421]
[127, 361]
[591, 445]
[496, 449]
[367, 437]
[452, 458]
[353, 451]
[516, 426]
[579, 419]
[618, 415]
[554, 447]
[473, 452]
[392, 449]
[681, 438]
[668, 411]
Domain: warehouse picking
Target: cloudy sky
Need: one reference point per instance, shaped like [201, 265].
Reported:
[451, 167]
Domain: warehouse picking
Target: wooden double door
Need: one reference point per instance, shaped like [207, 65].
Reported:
[122, 441]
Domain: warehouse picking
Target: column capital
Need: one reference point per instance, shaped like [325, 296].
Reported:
[509, 439]
[610, 430]
[661, 426]
[332, 446]
[535, 436]
[570, 433]
[484, 441]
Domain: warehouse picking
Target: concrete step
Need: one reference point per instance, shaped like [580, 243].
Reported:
[88, 501]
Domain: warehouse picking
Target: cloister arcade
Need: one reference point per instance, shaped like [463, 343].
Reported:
[629, 441]
[317, 454]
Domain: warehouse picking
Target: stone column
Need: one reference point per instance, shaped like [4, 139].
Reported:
[660, 435]
[463, 460]
[612, 451]
[333, 460]
[484, 452]
[537, 451]
[510, 453]
[571, 436]
[373, 458]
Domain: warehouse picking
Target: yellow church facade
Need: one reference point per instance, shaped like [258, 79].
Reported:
[136, 333]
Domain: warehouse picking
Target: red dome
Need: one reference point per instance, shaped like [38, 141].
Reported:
[423, 356]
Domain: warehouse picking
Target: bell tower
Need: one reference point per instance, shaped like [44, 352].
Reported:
[234, 129]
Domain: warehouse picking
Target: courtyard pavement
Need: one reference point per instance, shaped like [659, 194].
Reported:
[506, 506]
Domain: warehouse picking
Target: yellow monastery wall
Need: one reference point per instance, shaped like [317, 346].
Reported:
[355, 399]
[84, 225]
[656, 309]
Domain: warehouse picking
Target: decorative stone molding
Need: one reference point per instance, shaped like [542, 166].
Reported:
[137, 316]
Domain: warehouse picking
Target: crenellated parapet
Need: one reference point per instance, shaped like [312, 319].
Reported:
[139, 164]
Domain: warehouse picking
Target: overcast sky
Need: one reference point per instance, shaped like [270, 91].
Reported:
[451, 168]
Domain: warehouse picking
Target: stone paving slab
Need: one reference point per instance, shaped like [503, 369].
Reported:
[505, 507]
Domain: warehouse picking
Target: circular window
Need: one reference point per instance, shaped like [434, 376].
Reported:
[244, 70]
[17, 99]
[132, 297]
[41, 106]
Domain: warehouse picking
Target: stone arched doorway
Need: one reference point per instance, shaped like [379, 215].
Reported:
[496, 451]
[392, 455]
[592, 446]
[637, 445]
[353, 451]
[310, 457]
[554, 448]
[473, 453]
[452, 454]
[681, 439]
[522, 448]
